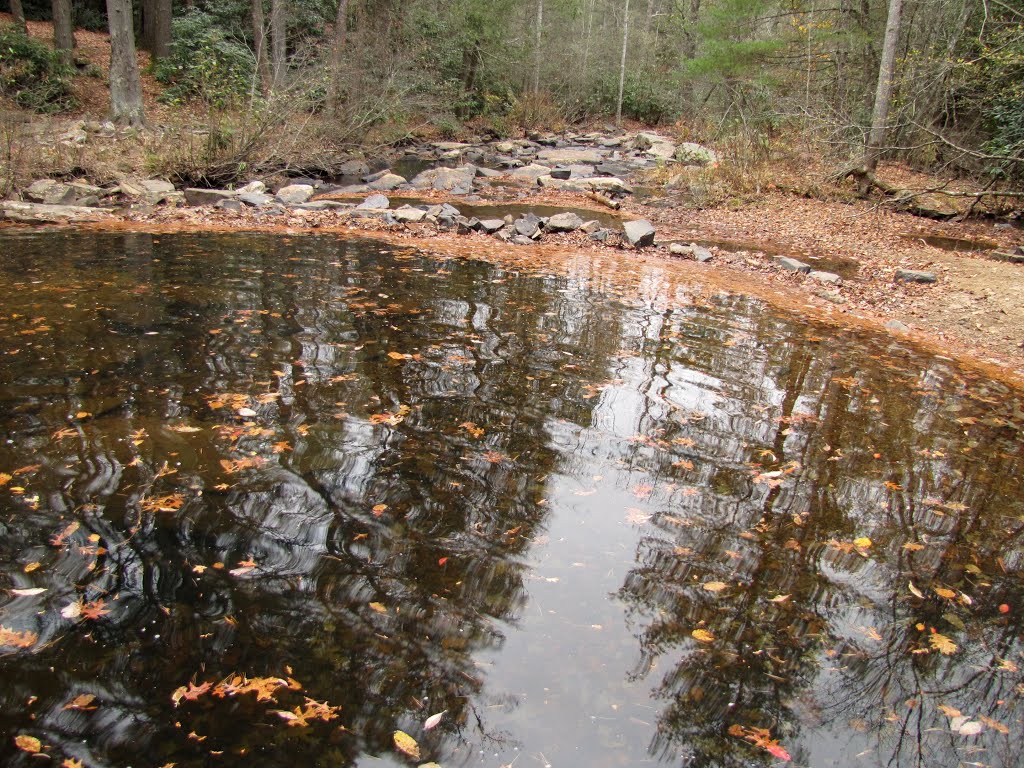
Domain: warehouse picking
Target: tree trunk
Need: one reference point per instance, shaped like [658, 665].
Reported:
[337, 56]
[883, 94]
[259, 36]
[63, 29]
[19, 16]
[278, 42]
[161, 38]
[622, 65]
[125, 85]
[536, 47]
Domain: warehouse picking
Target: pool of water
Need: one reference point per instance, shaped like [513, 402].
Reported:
[268, 500]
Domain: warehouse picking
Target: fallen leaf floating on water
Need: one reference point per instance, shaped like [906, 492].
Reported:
[30, 592]
[715, 586]
[779, 599]
[4, 478]
[942, 644]
[965, 726]
[379, 607]
[949, 594]
[762, 738]
[29, 744]
[432, 721]
[8, 637]
[82, 703]
[70, 762]
[407, 744]
[862, 542]
[703, 636]
[914, 590]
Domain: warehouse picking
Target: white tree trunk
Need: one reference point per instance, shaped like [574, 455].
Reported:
[536, 46]
[622, 65]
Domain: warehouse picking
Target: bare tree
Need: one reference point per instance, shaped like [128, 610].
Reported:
[19, 16]
[337, 55]
[537, 47]
[278, 41]
[125, 85]
[259, 35]
[63, 29]
[883, 93]
[622, 65]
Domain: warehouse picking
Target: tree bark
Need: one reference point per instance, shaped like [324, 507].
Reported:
[63, 29]
[536, 46]
[278, 42]
[161, 36]
[125, 85]
[883, 93]
[337, 56]
[18, 12]
[259, 36]
[622, 65]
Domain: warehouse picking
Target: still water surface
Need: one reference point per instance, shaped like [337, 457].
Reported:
[591, 531]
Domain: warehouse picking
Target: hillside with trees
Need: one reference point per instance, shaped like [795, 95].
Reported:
[934, 85]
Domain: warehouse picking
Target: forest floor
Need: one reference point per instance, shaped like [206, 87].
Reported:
[974, 312]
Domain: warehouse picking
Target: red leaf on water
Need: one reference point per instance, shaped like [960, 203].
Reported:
[778, 751]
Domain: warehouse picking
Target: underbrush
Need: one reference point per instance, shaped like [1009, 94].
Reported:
[33, 75]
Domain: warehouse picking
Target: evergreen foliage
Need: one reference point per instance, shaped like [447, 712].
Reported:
[33, 74]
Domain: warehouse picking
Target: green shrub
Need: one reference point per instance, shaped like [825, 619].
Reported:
[32, 74]
[204, 64]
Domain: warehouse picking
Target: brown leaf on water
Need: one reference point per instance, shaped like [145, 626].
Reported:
[82, 703]
[4, 478]
[27, 743]
[94, 610]
[949, 594]
[379, 607]
[60, 538]
[472, 429]
[10, 638]
[703, 636]
[70, 762]
[398, 356]
[942, 644]
[406, 744]
[715, 586]
[994, 724]
[281, 446]
[231, 466]
[170, 503]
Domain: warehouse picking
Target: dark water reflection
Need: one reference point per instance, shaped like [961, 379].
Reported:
[415, 485]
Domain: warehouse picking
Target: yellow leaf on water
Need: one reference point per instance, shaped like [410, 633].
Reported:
[862, 542]
[779, 599]
[4, 478]
[407, 744]
[703, 636]
[29, 744]
[949, 594]
[715, 586]
[942, 644]
[379, 607]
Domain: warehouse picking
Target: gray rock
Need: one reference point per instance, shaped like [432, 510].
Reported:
[590, 227]
[353, 168]
[897, 326]
[445, 179]
[368, 177]
[531, 172]
[662, 150]
[825, 277]
[464, 226]
[1011, 256]
[195, 196]
[229, 204]
[409, 215]
[490, 226]
[387, 183]
[152, 191]
[521, 240]
[488, 173]
[700, 253]
[678, 249]
[689, 153]
[505, 147]
[561, 173]
[571, 156]
[639, 234]
[915, 276]
[605, 184]
[50, 192]
[791, 264]
[450, 146]
[527, 225]
[294, 194]
[255, 199]
[563, 222]
[375, 201]
[257, 187]
[38, 213]
[601, 235]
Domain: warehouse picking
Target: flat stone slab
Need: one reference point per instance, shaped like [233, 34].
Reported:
[294, 194]
[409, 215]
[915, 276]
[377, 202]
[531, 171]
[791, 264]
[571, 156]
[563, 222]
[596, 184]
[195, 196]
[830, 278]
[40, 213]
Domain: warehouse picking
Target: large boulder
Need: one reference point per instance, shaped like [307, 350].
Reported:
[563, 222]
[407, 214]
[531, 172]
[639, 234]
[374, 202]
[386, 183]
[689, 153]
[39, 213]
[294, 194]
[195, 196]
[571, 156]
[527, 225]
[152, 191]
[458, 180]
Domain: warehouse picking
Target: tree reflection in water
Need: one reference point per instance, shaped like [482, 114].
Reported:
[342, 464]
